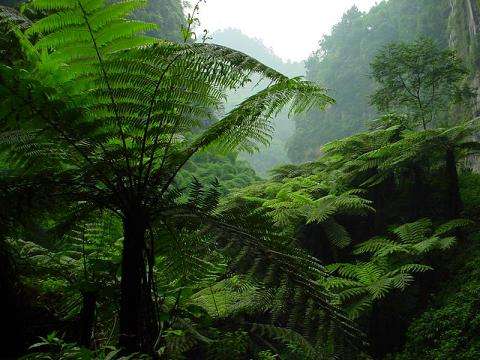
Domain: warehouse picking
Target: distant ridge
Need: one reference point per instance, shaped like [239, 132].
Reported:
[255, 47]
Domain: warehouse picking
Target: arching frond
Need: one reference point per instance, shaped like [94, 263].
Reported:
[250, 123]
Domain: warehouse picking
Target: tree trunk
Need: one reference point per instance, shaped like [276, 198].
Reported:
[137, 323]
[454, 201]
[87, 317]
[418, 194]
[380, 197]
[11, 307]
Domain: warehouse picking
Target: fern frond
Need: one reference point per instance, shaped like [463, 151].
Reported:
[296, 342]
[373, 246]
[337, 234]
[250, 122]
[413, 232]
[451, 226]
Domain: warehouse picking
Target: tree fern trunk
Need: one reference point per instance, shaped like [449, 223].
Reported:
[87, 318]
[418, 193]
[137, 329]
[10, 306]
[380, 199]
[454, 201]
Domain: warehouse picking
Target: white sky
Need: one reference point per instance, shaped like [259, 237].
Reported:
[292, 28]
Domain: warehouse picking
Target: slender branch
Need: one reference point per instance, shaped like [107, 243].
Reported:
[214, 301]
[406, 86]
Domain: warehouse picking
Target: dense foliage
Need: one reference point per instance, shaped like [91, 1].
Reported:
[420, 81]
[230, 172]
[351, 47]
[167, 15]
[449, 328]
[130, 228]
[108, 117]
[374, 210]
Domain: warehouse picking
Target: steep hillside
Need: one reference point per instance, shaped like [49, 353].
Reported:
[342, 64]
[167, 14]
[276, 154]
[256, 48]
[464, 33]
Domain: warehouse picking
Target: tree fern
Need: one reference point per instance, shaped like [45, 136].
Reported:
[358, 285]
[308, 199]
[118, 115]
